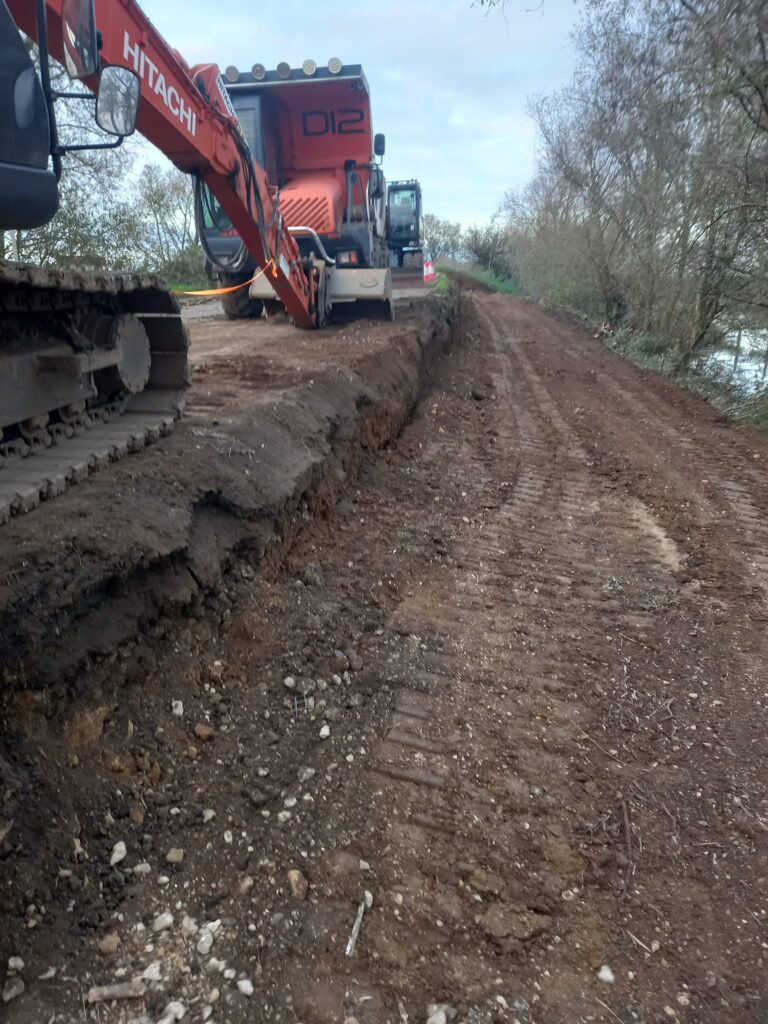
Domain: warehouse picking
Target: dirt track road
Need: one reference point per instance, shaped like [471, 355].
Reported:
[534, 632]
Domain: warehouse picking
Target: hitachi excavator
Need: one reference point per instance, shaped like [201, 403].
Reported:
[93, 365]
[310, 129]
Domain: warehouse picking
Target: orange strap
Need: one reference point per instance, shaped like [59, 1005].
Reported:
[207, 292]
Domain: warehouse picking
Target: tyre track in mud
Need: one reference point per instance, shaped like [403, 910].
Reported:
[530, 773]
[528, 633]
[664, 411]
[512, 634]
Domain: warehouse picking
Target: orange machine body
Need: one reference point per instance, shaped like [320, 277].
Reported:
[311, 130]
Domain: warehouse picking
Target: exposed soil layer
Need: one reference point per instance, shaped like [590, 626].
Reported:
[276, 422]
[513, 688]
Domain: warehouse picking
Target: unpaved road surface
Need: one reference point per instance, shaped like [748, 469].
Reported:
[513, 688]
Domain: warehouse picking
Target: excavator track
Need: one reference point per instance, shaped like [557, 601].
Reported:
[93, 367]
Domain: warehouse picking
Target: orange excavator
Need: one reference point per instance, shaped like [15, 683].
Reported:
[309, 127]
[94, 365]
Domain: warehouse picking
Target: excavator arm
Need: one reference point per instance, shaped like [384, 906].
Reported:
[186, 113]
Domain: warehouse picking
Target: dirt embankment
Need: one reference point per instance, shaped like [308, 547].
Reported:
[277, 420]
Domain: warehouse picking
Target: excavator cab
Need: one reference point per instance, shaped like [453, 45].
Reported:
[404, 220]
[29, 192]
[404, 213]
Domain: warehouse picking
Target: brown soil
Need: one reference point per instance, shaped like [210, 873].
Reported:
[276, 421]
[535, 630]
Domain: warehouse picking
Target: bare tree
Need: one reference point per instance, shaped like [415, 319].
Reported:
[653, 171]
[168, 217]
[487, 246]
[442, 236]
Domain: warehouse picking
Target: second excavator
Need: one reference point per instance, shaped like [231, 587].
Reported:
[310, 129]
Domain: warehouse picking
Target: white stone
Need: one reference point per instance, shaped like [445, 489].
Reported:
[153, 972]
[188, 926]
[12, 989]
[177, 708]
[245, 985]
[325, 732]
[142, 869]
[15, 963]
[205, 943]
[440, 1013]
[162, 922]
[119, 852]
[175, 1010]
[208, 815]
[606, 974]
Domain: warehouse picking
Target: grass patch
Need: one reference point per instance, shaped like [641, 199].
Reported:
[443, 282]
[505, 285]
[644, 350]
[190, 286]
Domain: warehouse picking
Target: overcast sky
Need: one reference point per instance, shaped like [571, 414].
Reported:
[448, 81]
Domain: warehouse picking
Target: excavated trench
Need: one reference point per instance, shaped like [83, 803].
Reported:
[270, 441]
